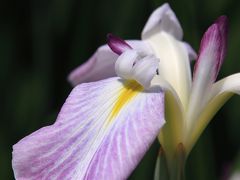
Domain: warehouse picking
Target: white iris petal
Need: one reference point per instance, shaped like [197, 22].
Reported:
[134, 65]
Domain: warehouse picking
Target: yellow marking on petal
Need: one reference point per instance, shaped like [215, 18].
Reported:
[129, 91]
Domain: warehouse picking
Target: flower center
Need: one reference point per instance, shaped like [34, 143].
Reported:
[134, 65]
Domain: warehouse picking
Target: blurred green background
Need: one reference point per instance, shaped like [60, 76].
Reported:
[41, 41]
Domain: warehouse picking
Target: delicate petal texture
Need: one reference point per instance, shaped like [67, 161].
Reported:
[125, 63]
[117, 44]
[212, 51]
[205, 72]
[101, 64]
[217, 96]
[102, 132]
[229, 84]
[206, 66]
[174, 64]
[133, 65]
[145, 69]
[163, 19]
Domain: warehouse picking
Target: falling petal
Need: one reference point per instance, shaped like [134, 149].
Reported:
[102, 132]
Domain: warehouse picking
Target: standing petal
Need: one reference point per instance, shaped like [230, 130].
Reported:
[211, 54]
[206, 66]
[101, 64]
[212, 50]
[218, 95]
[102, 132]
[163, 19]
[222, 23]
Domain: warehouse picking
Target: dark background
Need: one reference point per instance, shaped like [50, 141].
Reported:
[41, 41]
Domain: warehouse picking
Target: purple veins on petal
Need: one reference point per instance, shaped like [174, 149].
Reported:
[117, 44]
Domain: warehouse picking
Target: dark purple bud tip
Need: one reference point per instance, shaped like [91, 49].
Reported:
[222, 23]
[117, 44]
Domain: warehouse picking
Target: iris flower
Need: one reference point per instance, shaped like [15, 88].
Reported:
[127, 94]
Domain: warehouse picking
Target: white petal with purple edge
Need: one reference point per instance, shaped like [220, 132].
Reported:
[220, 92]
[102, 132]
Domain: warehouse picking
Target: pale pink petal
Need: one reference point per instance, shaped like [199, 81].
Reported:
[101, 64]
[102, 132]
[163, 19]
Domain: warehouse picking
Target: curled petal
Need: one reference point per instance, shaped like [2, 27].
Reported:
[117, 44]
[102, 132]
[163, 19]
[145, 69]
[125, 62]
[230, 84]
[101, 64]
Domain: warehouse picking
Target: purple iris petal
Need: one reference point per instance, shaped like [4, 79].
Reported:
[213, 48]
[84, 143]
[222, 23]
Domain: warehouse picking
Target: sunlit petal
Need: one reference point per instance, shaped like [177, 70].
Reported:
[102, 132]
[163, 19]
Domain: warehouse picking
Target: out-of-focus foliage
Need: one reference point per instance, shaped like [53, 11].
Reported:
[41, 41]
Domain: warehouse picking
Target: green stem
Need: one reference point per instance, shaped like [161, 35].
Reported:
[171, 169]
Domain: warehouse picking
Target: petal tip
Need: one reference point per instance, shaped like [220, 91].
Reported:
[117, 44]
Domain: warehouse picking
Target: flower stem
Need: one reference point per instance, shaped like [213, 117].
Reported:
[171, 168]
